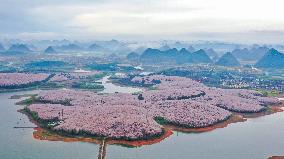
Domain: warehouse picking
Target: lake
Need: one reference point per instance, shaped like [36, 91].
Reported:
[257, 138]
[112, 88]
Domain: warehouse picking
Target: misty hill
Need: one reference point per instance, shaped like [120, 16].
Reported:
[241, 53]
[228, 60]
[140, 49]
[164, 47]
[253, 54]
[272, 59]
[152, 55]
[2, 48]
[157, 56]
[174, 56]
[259, 52]
[212, 53]
[96, 47]
[184, 56]
[133, 56]
[19, 48]
[112, 43]
[191, 49]
[32, 47]
[179, 45]
[49, 50]
[70, 47]
[112, 46]
[200, 56]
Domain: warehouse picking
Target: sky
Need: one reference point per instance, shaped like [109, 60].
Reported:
[245, 21]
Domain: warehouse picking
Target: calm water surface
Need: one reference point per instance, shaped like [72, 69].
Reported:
[111, 88]
[255, 139]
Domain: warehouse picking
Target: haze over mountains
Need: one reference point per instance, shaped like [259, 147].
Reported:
[17, 49]
[124, 47]
[2, 48]
[252, 54]
[49, 50]
[272, 59]
[155, 52]
[133, 56]
[96, 47]
[212, 53]
[229, 60]
[174, 56]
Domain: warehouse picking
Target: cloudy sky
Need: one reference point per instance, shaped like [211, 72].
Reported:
[253, 21]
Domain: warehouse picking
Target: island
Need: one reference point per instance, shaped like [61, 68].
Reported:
[176, 102]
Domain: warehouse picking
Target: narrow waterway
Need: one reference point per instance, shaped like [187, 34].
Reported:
[112, 88]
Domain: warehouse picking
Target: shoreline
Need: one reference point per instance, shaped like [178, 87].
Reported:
[41, 133]
[44, 134]
[232, 119]
[276, 157]
[270, 110]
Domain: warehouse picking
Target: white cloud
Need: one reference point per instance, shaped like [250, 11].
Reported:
[162, 18]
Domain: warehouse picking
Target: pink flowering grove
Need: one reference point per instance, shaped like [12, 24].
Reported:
[177, 100]
[18, 79]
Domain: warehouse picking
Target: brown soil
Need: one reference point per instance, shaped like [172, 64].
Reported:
[276, 157]
[232, 119]
[42, 134]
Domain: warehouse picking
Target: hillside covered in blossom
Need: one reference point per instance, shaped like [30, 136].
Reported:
[175, 100]
[18, 80]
